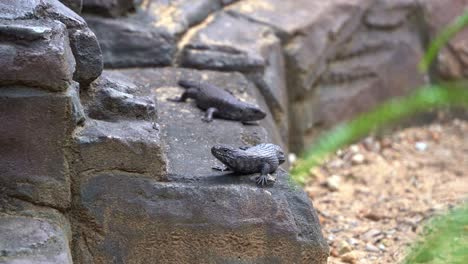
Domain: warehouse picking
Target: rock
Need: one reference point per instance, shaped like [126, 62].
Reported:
[87, 50]
[184, 133]
[149, 36]
[131, 42]
[110, 8]
[350, 257]
[34, 236]
[371, 234]
[358, 159]
[33, 157]
[420, 146]
[125, 213]
[229, 42]
[363, 65]
[74, 5]
[305, 27]
[339, 56]
[344, 247]
[88, 59]
[382, 247]
[374, 216]
[132, 146]
[36, 53]
[140, 219]
[292, 158]
[372, 248]
[177, 16]
[112, 98]
[333, 183]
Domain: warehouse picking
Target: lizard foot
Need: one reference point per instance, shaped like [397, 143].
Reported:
[263, 180]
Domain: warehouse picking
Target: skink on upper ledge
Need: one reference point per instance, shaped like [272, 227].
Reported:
[218, 103]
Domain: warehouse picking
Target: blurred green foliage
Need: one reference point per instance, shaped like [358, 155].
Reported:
[445, 237]
[445, 240]
[454, 94]
[440, 41]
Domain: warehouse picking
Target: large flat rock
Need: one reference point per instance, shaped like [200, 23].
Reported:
[33, 156]
[36, 53]
[194, 214]
[187, 138]
[230, 42]
[138, 220]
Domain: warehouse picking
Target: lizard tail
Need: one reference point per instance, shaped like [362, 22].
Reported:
[188, 84]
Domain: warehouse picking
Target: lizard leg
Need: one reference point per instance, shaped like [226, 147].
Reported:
[262, 180]
[189, 93]
[221, 168]
[209, 114]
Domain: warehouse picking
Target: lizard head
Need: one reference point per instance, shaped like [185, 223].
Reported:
[252, 113]
[224, 153]
[281, 157]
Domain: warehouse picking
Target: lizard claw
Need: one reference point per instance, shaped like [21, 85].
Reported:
[263, 180]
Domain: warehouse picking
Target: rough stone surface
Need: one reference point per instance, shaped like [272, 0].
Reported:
[309, 30]
[233, 43]
[199, 215]
[339, 56]
[30, 234]
[114, 97]
[132, 146]
[186, 136]
[33, 164]
[132, 42]
[75, 5]
[147, 37]
[87, 50]
[178, 15]
[453, 61]
[138, 220]
[377, 62]
[36, 53]
[227, 43]
[110, 8]
[89, 57]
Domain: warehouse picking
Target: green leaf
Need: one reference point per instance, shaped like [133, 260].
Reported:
[444, 37]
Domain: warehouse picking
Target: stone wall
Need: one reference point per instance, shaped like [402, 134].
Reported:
[99, 167]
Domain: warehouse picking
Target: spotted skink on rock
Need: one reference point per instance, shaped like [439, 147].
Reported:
[262, 158]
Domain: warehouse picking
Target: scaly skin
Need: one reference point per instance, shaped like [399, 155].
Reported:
[262, 158]
[218, 103]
